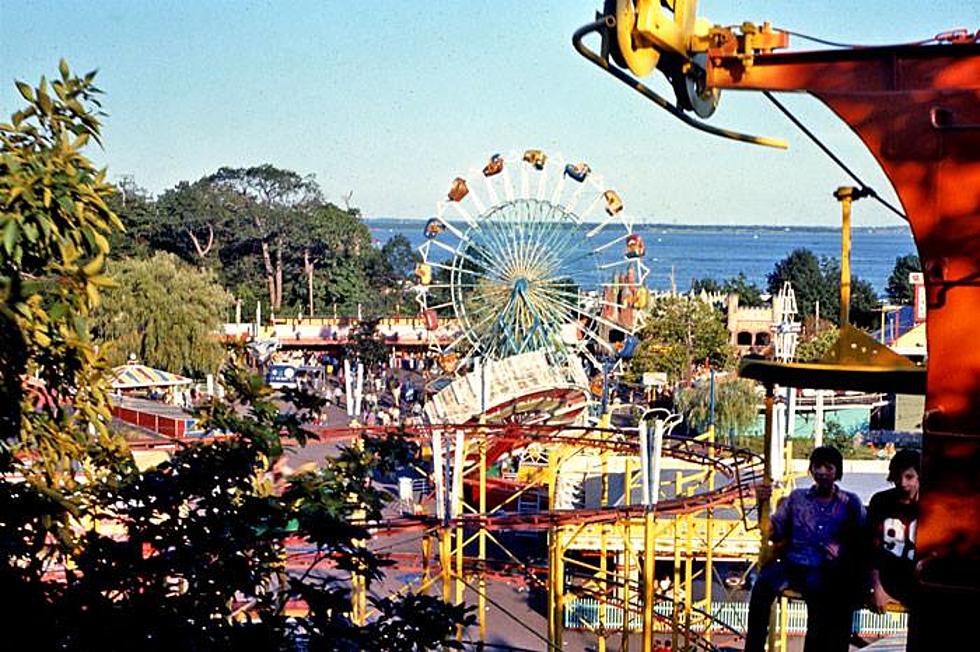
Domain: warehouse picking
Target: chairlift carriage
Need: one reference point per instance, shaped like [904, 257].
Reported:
[536, 254]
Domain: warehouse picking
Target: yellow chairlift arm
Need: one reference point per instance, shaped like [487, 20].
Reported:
[640, 36]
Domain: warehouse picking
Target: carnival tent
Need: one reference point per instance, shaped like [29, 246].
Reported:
[137, 376]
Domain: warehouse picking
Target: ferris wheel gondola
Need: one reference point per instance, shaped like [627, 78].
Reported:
[530, 252]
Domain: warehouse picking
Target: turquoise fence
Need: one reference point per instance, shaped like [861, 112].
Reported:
[583, 613]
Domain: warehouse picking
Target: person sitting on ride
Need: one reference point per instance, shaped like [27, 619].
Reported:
[892, 517]
[817, 536]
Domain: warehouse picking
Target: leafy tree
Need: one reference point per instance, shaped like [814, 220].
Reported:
[137, 209]
[189, 555]
[166, 313]
[865, 306]
[899, 290]
[204, 536]
[816, 347]
[400, 259]
[55, 227]
[749, 294]
[366, 344]
[816, 280]
[269, 199]
[331, 249]
[802, 269]
[195, 222]
[680, 333]
[707, 285]
[736, 404]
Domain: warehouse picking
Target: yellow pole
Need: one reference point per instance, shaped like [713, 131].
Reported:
[688, 575]
[481, 600]
[676, 591]
[559, 574]
[604, 577]
[709, 552]
[458, 510]
[445, 561]
[783, 623]
[649, 548]
[554, 589]
[765, 505]
[426, 551]
[624, 644]
[845, 195]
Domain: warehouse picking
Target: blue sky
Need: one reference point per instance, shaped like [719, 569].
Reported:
[391, 99]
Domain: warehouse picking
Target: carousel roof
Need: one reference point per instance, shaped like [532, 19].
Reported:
[135, 376]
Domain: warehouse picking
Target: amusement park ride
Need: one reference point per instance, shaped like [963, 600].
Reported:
[504, 254]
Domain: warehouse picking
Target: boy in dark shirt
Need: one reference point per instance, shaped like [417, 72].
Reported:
[816, 534]
[892, 518]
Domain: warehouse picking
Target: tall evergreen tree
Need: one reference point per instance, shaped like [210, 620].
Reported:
[899, 290]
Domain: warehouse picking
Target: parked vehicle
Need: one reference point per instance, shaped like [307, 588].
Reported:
[287, 376]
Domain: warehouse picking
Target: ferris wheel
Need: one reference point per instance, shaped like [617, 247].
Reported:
[531, 252]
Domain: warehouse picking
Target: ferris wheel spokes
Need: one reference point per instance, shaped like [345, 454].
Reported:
[518, 260]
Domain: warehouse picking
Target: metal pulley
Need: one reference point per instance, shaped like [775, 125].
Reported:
[693, 94]
[628, 49]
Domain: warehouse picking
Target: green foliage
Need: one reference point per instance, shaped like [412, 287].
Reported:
[834, 434]
[191, 554]
[819, 280]
[680, 333]
[347, 267]
[55, 226]
[166, 313]
[205, 535]
[748, 293]
[400, 259]
[899, 290]
[707, 285]
[137, 210]
[263, 230]
[802, 269]
[815, 348]
[736, 404]
[366, 344]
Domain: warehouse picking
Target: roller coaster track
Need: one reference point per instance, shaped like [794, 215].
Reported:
[737, 471]
[741, 470]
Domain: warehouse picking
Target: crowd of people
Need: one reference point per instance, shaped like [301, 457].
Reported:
[838, 556]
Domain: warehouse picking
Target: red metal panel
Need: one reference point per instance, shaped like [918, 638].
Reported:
[918, 110]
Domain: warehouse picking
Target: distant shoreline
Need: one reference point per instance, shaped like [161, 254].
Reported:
[698, 227]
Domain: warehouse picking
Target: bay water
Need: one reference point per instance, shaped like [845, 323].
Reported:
[679, 254]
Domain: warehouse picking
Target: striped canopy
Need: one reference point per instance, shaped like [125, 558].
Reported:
[134, 376]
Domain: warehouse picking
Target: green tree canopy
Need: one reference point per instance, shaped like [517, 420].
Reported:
[816, 280]
[736, 404]
[899, 290]
[748, 293]
[55, 226]
[814, 348]
[190, 554]
[680, 333]
[166, 312]
[802, 269]
[268, 204]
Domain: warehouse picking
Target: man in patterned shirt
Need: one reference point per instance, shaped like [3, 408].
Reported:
[817, 536]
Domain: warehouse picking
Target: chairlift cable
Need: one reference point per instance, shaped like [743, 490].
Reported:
[869, 191]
